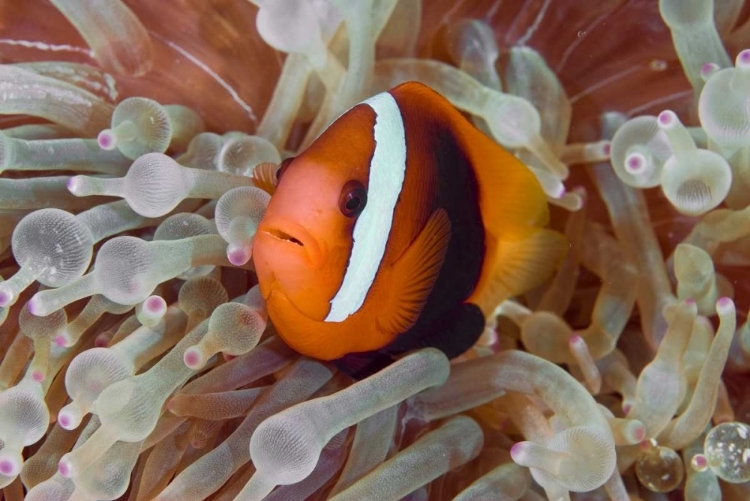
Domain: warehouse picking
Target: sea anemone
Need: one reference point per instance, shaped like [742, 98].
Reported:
[138, 145]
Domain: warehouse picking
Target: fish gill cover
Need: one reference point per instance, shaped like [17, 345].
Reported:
[138, 148]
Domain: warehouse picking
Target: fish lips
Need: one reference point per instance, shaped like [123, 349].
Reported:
[292, 237]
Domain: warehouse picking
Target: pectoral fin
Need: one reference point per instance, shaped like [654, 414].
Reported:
[412, 277]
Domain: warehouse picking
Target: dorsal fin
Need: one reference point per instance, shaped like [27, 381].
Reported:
[519, 253]
[509, 192]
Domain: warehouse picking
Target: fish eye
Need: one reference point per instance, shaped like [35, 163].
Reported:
[353, 199]
[282, 168]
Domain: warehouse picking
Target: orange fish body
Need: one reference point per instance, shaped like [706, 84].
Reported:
[402, 226]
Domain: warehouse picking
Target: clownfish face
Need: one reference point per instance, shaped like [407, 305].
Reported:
[304, 241]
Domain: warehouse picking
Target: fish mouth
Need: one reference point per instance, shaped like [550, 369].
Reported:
[283, 236]
[293, 236]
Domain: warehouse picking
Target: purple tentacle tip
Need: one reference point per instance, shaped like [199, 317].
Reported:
[105, 140]
[708, 68]
[724, 305]
[666, 117]
[635, 163]
[154, 304]
[73, 185]
[191, 359]
[65, 422]
[238, 257]
[64, 469]
[7, 468]
[33, 306]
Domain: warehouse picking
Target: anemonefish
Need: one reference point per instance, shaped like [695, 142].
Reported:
[402, 226]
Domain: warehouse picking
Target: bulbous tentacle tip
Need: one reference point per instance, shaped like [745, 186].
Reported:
[74, 185]
[101, 341]
[107, 139]
[516, 450]
[64, 421]
[6, 298]
[725, 306]
[639, 431]
[10, 467]
[237, 255]
[743, 60]
[194, 358]
[521, 453]
[155, 306]
[692, 306]
[69, 418]
[36, 307]
[151, 310]
[699, 463]
[38, 376]
[709, 69]
[636, 163]
[667, 119]
[65, 468]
